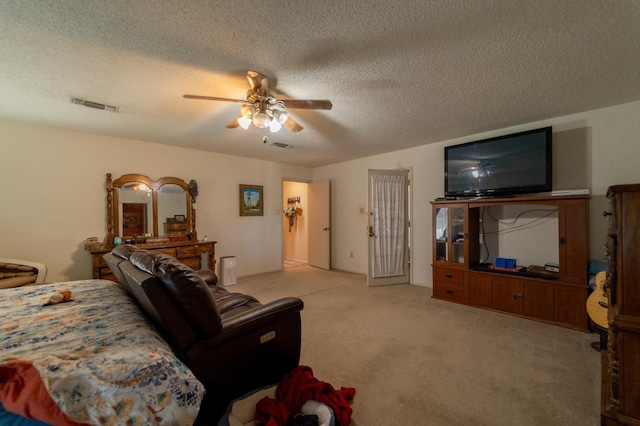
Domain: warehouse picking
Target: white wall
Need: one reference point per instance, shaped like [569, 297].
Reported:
[592, 150]
[53, 197]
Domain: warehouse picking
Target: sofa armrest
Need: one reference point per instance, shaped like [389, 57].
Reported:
[255, 348]
[208, 276]
[250, 319]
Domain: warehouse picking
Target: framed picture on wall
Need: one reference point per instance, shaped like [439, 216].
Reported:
[251, 200]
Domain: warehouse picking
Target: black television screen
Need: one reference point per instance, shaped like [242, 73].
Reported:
[519, 163]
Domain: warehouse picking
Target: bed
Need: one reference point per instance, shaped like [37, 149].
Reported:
[93, 359]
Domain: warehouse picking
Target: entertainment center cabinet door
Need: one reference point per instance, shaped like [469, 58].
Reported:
[538, 300]
[507, 294]
[574, 241]
[480, 293]
[512, 295]
[456, 244]
[569, 306]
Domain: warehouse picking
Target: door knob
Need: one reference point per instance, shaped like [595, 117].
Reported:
[371, 233]
[325, 229]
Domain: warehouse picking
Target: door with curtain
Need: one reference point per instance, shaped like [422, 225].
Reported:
[388, 227]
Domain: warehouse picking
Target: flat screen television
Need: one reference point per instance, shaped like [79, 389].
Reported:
[519, 163]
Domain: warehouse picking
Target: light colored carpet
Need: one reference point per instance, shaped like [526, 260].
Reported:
[414, 360]
[290, 264]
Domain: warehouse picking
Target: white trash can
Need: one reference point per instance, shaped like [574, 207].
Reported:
[228, 270]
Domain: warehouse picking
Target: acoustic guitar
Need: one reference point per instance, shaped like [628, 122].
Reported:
[597, 302]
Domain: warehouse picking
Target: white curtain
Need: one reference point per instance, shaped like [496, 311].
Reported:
[388, 201]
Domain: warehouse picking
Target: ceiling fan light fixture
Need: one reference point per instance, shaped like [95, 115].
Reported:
[280, 115]
[274, 126]
[244, 122]
[247, 110]
[261, 119]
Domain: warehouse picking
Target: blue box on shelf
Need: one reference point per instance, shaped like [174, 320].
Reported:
[503, 262]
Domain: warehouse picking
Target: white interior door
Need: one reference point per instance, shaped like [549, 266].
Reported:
[388, 227]
[319, 224]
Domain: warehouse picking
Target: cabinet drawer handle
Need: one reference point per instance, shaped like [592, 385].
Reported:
[449, 276]
[606, 213]
[449, 291]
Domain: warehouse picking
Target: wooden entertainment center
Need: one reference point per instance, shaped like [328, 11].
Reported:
[459, 276]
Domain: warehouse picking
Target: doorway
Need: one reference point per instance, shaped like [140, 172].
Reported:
[389, 227]
[306, 224]
[295, 200]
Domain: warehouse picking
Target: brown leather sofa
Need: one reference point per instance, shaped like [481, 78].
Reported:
[231, 342]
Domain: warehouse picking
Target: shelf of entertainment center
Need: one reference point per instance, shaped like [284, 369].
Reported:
[525, 273]
[516, 199]
[459, 276]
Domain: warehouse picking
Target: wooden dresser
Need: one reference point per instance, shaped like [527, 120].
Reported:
[187, 252]
[621, 360]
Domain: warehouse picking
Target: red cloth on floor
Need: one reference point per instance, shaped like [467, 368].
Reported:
[298, 387]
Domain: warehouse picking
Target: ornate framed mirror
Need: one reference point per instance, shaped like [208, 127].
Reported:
[139, 207]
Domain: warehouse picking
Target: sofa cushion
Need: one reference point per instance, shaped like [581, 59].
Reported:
[189, 292]
[236, 303]
[124, 250]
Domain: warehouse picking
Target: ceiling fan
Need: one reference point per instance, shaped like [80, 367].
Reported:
[263, 108]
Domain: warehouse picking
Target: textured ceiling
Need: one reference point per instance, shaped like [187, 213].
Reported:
[399, 73]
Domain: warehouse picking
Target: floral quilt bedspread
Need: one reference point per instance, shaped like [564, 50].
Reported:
[96, 356]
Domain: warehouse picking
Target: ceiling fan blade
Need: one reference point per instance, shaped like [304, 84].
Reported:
[292, 125]
[213, 98]
[307, 104]
[234, 124]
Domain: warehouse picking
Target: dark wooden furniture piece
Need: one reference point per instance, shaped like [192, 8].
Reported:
[458, 276]
[187, 252]
[167, 197]
[621, 360]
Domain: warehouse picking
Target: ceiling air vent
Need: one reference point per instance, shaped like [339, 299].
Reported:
[94, 105]
[282, 145]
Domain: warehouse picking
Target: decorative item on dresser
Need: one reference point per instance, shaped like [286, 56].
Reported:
[459, 275]
[621, 360]
[173, 227]
[159, 216]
